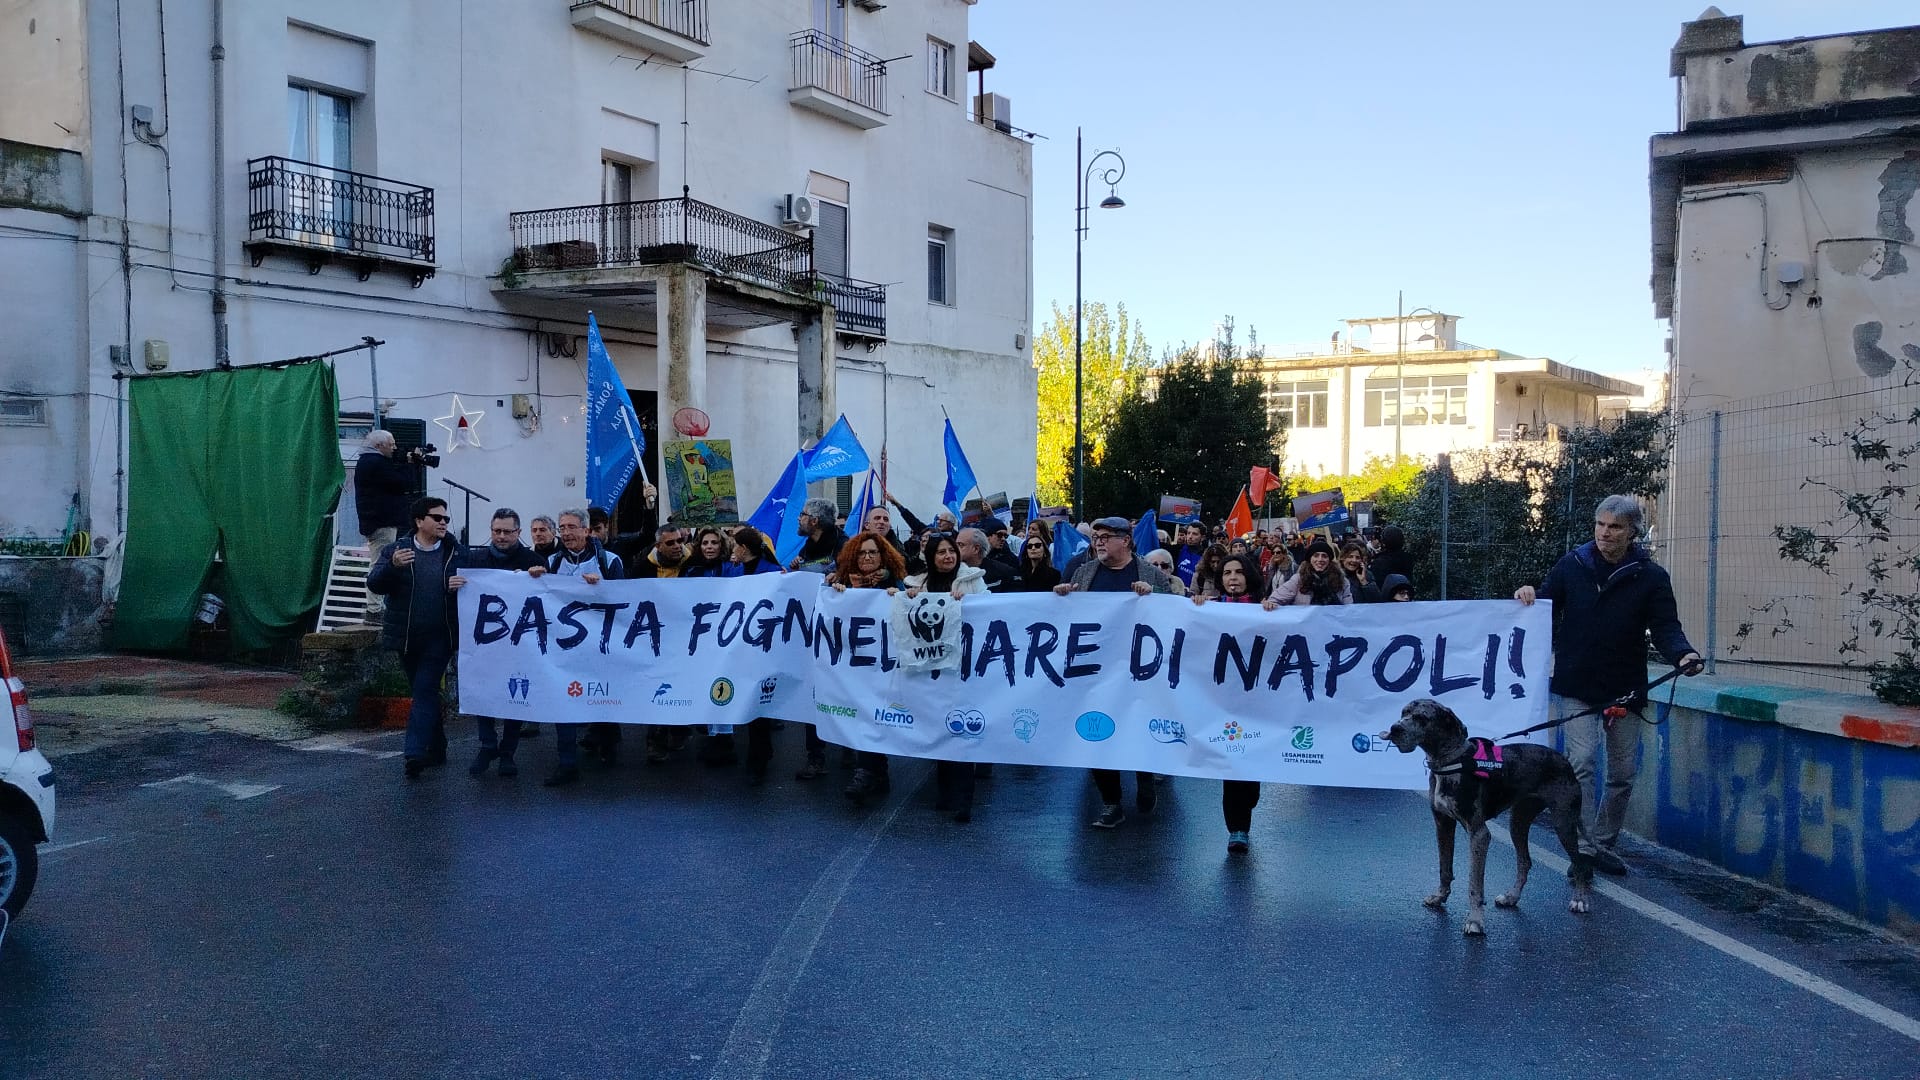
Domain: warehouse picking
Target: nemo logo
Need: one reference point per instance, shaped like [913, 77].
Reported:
[574, 689]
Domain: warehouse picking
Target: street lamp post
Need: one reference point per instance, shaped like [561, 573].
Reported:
[1399, 365]
[1083, 174]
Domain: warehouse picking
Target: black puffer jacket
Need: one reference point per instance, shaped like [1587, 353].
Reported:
[1602, 616]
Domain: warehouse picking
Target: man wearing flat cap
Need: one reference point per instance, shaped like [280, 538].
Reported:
[1113, 568]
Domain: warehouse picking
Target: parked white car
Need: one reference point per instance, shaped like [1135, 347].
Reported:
[26, 794]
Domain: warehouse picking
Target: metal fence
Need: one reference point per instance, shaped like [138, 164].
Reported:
[1746, 474]
[308, 205]
[660, 231]
[826, 63]
[688, 18]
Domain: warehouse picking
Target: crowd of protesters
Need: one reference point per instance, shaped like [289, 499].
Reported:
[417, 575]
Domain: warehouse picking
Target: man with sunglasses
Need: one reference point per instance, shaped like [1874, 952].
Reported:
[418, 574]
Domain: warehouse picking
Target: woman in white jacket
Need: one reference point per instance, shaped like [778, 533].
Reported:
[946, 573]
[1318, 581]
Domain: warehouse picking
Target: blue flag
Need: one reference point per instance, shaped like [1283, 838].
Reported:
[862, 503]
[960, 479]
[1146, 535]
[779, 513]
[614, 442]
[838, 453]
[1067, 542]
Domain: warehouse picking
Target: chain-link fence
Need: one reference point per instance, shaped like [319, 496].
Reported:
[1731, 491]
[1749, 477]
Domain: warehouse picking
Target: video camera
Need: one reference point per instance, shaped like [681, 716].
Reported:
[425, 454]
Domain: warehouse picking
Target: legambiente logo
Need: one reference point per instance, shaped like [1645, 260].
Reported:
[896, 715]
[1303, 738]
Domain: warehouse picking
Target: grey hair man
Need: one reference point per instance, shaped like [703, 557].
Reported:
[821, 537]
[544, 533]
[1608, 597]
[973, 552]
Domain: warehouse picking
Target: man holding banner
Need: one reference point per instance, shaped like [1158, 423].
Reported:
[1114, 569]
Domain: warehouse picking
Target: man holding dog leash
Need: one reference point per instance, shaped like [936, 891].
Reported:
[1608, 596]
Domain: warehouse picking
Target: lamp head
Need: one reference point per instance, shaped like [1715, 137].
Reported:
[1112, 202]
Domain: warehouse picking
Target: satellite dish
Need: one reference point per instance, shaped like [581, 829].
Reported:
[691, 422]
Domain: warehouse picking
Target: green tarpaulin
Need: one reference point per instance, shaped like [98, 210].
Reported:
[243, 464]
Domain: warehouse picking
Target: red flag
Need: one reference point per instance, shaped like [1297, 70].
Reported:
[1260, 481]
[1240, 522]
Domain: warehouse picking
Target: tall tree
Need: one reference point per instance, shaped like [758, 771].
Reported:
[1193, 429]
[1114, 355]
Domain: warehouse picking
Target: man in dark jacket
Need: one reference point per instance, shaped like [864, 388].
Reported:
[580, 556]
[1608, 597]
[503, 551]
[381, 490]
[418, 575]
[1115, 568]
[1393, 558]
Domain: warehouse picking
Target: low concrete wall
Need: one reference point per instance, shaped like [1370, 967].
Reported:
[1817, 793]
[53, 606]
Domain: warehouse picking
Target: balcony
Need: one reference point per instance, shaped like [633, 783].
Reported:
[835, 79]
[321, 214]
[676, 29]
[860, 307]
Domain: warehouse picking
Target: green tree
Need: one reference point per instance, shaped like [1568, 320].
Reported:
[1114, 355]
[1193, 429]
[1387, 485]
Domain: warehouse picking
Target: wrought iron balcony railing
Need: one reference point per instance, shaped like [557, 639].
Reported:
[328, 211]
[661, 231]
[827, 63]
[688, 18]
[860, 307]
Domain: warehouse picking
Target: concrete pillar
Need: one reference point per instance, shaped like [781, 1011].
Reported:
[819, 400]
[681, 348]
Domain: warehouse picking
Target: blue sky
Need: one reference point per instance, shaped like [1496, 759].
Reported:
[1294, 164]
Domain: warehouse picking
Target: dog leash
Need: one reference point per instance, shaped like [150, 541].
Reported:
[1616, 709]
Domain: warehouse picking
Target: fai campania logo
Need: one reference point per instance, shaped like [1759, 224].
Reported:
[721, 693]
[1167, 731]
[574, 689]
[518, 687]
[1303, 738]
[894, 715]
[1025, 723]
[1094, 726]
[966, 723]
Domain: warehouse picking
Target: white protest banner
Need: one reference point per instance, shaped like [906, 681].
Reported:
[1158, 684]
[705, 651]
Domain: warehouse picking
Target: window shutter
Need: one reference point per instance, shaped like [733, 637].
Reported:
[830, 241]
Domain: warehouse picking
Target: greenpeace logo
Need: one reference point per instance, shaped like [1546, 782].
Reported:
[845, 711]
[894, 715]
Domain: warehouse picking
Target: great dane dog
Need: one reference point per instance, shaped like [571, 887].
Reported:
[1473, 782]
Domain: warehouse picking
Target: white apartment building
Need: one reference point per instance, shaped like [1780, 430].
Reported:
[1408, 386]
[777, 212]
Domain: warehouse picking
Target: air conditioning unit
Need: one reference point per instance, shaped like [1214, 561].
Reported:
[994, 110]
[798, 210]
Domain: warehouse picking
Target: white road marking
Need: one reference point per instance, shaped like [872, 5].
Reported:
[231, 788]
[341, 744]
[1897, 1022]
[55, 849]
[750, 1042]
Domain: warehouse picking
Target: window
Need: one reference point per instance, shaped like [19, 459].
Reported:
[1298, 404]
[939, 68]
[830, 18]
[1430, 400]
[23, 411]
[616, 225]
[939, 265]
[319, 127]
[830, 240]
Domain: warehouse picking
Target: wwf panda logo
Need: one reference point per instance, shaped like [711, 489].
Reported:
[768, 687]
[928, 620]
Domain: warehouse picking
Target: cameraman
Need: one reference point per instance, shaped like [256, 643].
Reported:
[382, 489]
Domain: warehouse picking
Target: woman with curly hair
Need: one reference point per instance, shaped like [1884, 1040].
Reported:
[866, 562]
[1206, 575]
[708, 557]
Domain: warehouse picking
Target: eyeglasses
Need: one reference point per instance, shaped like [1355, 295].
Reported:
[869, 553]
[441, 518]
[1101, 538]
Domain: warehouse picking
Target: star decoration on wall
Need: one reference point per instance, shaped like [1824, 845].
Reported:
[461, 425]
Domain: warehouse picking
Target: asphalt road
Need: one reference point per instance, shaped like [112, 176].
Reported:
[295, 909]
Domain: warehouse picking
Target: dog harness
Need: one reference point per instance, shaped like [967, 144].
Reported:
[1487, 756]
